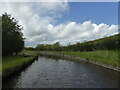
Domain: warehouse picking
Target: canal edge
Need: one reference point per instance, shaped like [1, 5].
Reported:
[17, 69]
[63, 56]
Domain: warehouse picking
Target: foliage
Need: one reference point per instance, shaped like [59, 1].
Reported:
[107, 43]
[29, 48]
[55, 46]
[12, 41]
[0, 34]
[0, 22]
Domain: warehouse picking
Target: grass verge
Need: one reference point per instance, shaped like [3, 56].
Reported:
[16, 60]
[109, 57]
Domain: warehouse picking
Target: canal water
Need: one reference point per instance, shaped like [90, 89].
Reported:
[52, 73]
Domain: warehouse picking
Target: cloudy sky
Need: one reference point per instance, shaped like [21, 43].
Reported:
[64, 22]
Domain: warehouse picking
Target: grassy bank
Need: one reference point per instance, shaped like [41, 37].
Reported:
[16, 60]
[109, 57]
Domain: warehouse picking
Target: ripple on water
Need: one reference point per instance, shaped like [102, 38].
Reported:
[50, 73]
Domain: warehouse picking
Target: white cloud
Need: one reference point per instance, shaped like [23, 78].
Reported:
[74, 32]
[38, 18]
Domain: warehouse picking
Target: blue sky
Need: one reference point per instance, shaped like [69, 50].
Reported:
[64, 22]
[98, 12]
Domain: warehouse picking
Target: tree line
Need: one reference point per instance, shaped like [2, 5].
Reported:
[12, 36]
[107, 43]
[54, 47]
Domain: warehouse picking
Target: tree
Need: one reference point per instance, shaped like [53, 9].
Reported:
[12, 40]
[56, 46]
[0, 35]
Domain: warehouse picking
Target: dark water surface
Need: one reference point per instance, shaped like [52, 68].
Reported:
[51, 73]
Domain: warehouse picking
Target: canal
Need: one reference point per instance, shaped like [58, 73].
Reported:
[51, 73]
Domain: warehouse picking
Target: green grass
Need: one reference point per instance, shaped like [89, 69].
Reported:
[109, 57]
[32, 53]
[105, 56]
[16, 60]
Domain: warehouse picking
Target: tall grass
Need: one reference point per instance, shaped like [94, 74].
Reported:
[105, 56]
[16, 60]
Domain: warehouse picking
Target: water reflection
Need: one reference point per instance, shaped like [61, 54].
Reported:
[57, 73]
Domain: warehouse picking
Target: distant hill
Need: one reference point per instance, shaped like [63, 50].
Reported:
[107, 43]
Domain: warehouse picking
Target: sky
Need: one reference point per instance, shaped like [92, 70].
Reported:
[64, 22]
[95, 11]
